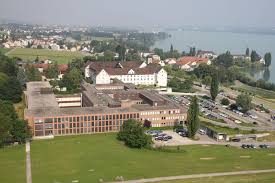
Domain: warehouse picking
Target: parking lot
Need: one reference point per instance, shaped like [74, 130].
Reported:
[179, 140]
[215, 111]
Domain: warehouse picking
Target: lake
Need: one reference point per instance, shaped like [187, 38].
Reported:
[220, 42]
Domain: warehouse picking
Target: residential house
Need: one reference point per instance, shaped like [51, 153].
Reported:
[188, 63]
[206, 54]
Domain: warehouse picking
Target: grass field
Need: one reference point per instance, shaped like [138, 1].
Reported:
[12, 164]
[254, 178]
[93, 157]
[30, 54]
[4, 50]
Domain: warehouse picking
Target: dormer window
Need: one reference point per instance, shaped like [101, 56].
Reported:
[131, 71]
[118, 65]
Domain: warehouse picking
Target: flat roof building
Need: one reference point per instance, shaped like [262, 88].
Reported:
[104, 108]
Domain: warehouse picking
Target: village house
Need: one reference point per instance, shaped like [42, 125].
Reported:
[188, 63]
[42, 67]
[206, 54]
[241, 57]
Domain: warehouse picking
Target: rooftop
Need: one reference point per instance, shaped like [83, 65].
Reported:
[123, 68]
[39, 99]
[42, 102]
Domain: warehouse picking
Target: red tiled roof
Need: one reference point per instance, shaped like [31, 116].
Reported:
[188, 59]
[113, 67]
[61, 67]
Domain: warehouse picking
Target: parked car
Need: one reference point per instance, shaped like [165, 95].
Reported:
[159, 138]
[264, 146]
[236, 140]
[244, 146]
[202, 132]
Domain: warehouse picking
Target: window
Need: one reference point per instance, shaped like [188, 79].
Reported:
[48, 120]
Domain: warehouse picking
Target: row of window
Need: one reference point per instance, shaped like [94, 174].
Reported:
[77, 131]
[87, 118]
[77, 125]
[160, 112]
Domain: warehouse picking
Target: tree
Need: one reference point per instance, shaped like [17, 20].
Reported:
[52, 71]
[20, 131]
[108, 55]
[244, 102]
[33, 74]
[36, 59]
[214, 89]
[171, 49]
[72, 80]
[132, 133]
[247, 52]
[225, 60]
[21, 76]
[147, 124]
[5, 128]
[10, 89]
[225, 101]
[193, 122]
[207, 80]
[121, 50]
[267, 58]
[8, 118]
[255, 56]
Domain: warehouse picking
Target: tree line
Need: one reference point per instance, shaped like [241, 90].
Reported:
[12, 129]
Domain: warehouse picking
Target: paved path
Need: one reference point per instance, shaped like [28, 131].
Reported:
[28, 162]
[198, 176]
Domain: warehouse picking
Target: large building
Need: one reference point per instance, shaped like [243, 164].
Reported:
[135, 72]
[103, 108]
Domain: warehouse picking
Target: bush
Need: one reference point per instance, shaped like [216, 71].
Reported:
[225, 101]
[132, 133]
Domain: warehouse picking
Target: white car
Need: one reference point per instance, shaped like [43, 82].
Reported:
[202, 132]
[253, 117]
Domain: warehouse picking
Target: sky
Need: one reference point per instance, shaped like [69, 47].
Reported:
[144, 13]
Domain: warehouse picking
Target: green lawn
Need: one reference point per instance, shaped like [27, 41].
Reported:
[12, 164]
[59, 56]
[4, 50]
[89, 158]
[253, 178]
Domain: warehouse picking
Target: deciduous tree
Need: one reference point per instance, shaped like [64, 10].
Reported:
[132, 133]
[244, 102]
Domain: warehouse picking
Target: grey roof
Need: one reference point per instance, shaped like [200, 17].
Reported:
[35, 99]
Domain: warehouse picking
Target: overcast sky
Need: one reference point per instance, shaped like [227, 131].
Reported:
[146, 13]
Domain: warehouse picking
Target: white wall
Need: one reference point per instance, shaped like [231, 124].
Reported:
[103, 78]
[161, 78]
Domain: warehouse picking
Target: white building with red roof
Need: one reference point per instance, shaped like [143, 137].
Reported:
[135, 72]
[188, 63]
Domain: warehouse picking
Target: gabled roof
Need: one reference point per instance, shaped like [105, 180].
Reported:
[61, 67]
[190, 60]
[123, 68]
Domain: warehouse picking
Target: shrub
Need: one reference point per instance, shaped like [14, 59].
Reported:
[225, 101]
[132, 133]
